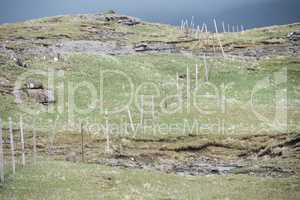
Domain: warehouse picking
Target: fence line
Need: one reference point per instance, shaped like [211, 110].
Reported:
[12, 148]
[1, 155]
[22, 140]
[82, 142]
[34, 145]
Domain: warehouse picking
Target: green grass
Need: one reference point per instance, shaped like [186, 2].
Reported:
[61, 180]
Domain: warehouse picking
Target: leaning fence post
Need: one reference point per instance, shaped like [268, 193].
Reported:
[217, 35]
[1, 155]
[22, 141]
[13, 161]
[223, 25]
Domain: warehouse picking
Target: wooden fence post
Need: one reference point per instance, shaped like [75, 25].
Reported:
[218, 38]
[12, 148]
[177, 82]
[34, 144]
[242, 28]
[153, 114]
[22, 141]
[82, 142]
[107, 148]
[1, 155]
[206, 69]
[188, 89]
[142, 111]
[197, 75]
[130, 119]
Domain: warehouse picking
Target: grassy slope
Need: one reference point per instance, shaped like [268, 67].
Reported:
[60, 180]
[161, 69]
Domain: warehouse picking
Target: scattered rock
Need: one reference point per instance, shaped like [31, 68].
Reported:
[4, 82]
[129, 22]
[21, 63]
[34, 84]
[110, 12]
[141, 47]
[294, 36]
[71, 157]
[19, 95]
[182, 76]
[252, 69]
[155, 47]
[42, 96]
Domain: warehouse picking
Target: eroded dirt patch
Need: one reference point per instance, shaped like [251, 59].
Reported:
[259, 155]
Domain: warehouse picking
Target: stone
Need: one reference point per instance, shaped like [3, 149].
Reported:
[34, 84]
[4, 82]
[129, 22]
[109, 12]
[140, 47]
[21, 63]
[294, 36]
[155, 47]
[42, 96]
[71, 157]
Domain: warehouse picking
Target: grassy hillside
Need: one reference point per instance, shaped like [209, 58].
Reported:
[94, 63]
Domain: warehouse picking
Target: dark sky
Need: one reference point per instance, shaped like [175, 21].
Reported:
[250, 13]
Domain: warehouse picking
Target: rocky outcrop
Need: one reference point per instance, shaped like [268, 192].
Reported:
[34, 90]
[121, 19]
[155, 47]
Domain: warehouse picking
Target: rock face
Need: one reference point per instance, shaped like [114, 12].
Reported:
[294, 36]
